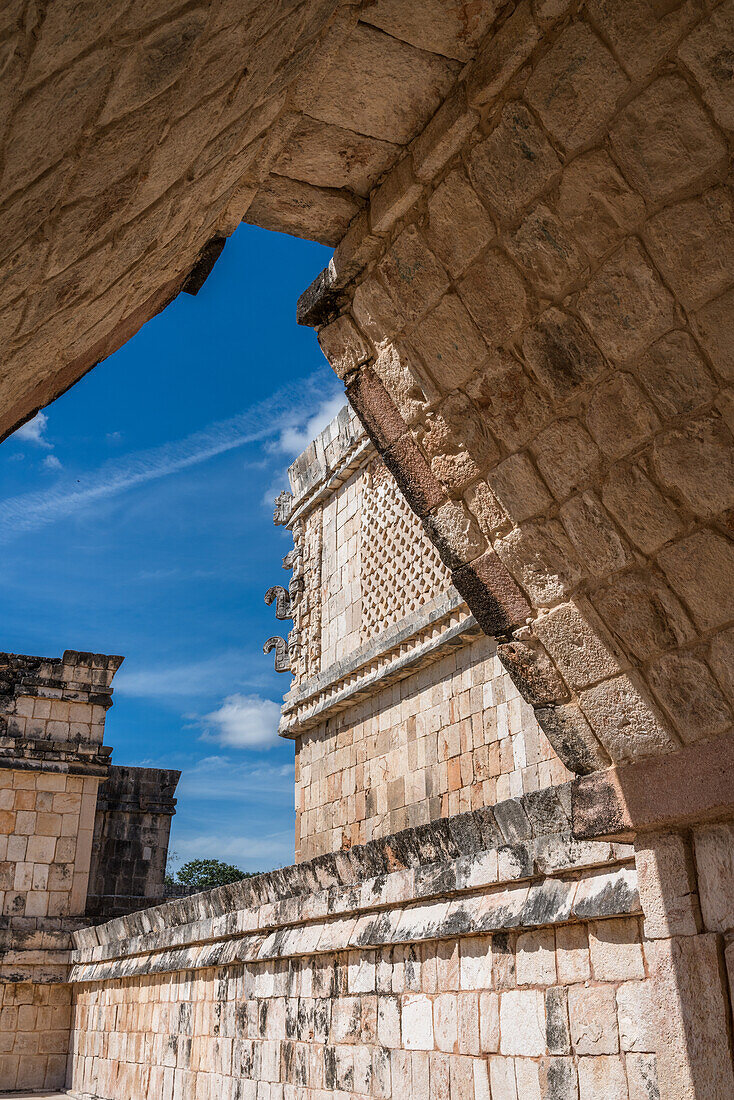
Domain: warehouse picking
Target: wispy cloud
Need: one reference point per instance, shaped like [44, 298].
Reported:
[34, 431]
[224, 778]
[51, 462]
[249, 853]
[285, 411]
[295, 438]
[243, 722]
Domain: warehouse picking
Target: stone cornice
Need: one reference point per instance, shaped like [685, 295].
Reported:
[420, 639]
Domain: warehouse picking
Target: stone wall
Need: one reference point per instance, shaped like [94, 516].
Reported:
[533, 322]
[132, 825]
[485, 952]
[400, 708]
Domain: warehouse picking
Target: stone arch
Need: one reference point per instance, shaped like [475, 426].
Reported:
[529, 302]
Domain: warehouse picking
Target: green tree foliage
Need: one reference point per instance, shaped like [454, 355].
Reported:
[203, 874]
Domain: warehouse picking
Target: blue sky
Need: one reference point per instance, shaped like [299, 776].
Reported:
[136, 518]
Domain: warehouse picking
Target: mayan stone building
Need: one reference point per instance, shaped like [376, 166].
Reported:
[513, 640]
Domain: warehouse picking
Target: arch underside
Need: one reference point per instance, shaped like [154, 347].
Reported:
[530, 300]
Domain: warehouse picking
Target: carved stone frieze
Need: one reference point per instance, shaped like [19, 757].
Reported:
[282, 600]
[282, 662]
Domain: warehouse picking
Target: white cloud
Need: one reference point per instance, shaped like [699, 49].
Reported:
[243, 722]
[250, 853]
[274, 418]
[295, 438]
[51, 462]
[224, 778]
[33, 431]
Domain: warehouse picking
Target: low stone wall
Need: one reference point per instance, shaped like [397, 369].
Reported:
[490, 950]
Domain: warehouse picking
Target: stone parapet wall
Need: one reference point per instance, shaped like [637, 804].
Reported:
[488, 950]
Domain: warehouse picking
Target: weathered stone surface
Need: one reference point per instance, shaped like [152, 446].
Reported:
[575, 87]
[413, 475]
[639, 508]
[372, 403]
[330, 156]
[575, 646]
[643, 32]
[517, 487]
[443, 136]
[503, 54]
[625, 305]
[688, 692]
[497, 602]
[396, 73]
[668, 893]
[547, 253]
[624, 720]
[532, 673]
[413, 276]
[448, 342]
[567, 457]
[511, 404]
[404, 381]
[595, 538]
[593, 1016]
[344, 346]
[692, 1050]
[674, 374]
[573, 738]
[707, 53]
[495, 294]
[289, 206]
[692, 244]
[455, 534]
[596, 203]
[458, 224]
[453, 32]
[514, 165]
[665, 142]
[716, 331]
[542, 559]
[698, 568]
[696, 463]
[714, 847]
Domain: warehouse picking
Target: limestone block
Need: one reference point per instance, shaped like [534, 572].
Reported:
[458, 224]
[593, 1020]
[502, 55]
[455, 534]
[607, 893]
[448, 342]
[693, 1056]
[394, 197]
[715, 328]
[596, 204]
[625, 305]
[702, 53]
[532, 673]
[541, 557]
[714, 847]
[546, 252]
[330, 156]
[688, 692]
[513, 406]
[443, 136]
[514, 165]
[575, 87]
[616, 954]
[642, 1077]
[698, 568]
[721, 659]
[414, 278]
[496, 296]
[692, 245]
[517, 487]
[636, 1016]
[535, 959]
[561, 354]
[417, 1022]
[558, 1079]
[407, 85]
[404, 381]
[485, 508]
[522, 1023]
[567, 457]
[667, 885]
[344, 346]
[643, 612]
[574, 644]
[664, 142]
[625, 721]
[413, 475]
[496, 601]
[290, 206]
[602, 1077]
[572, 954]
[696, 462]
[503, 1083]
[595, 538]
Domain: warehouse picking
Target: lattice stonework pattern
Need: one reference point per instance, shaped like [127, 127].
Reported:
[401, 569]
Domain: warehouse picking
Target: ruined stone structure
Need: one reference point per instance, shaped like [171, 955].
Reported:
[530, 304]
[79, 839]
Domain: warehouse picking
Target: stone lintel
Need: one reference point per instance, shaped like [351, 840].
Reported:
[676, 790]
